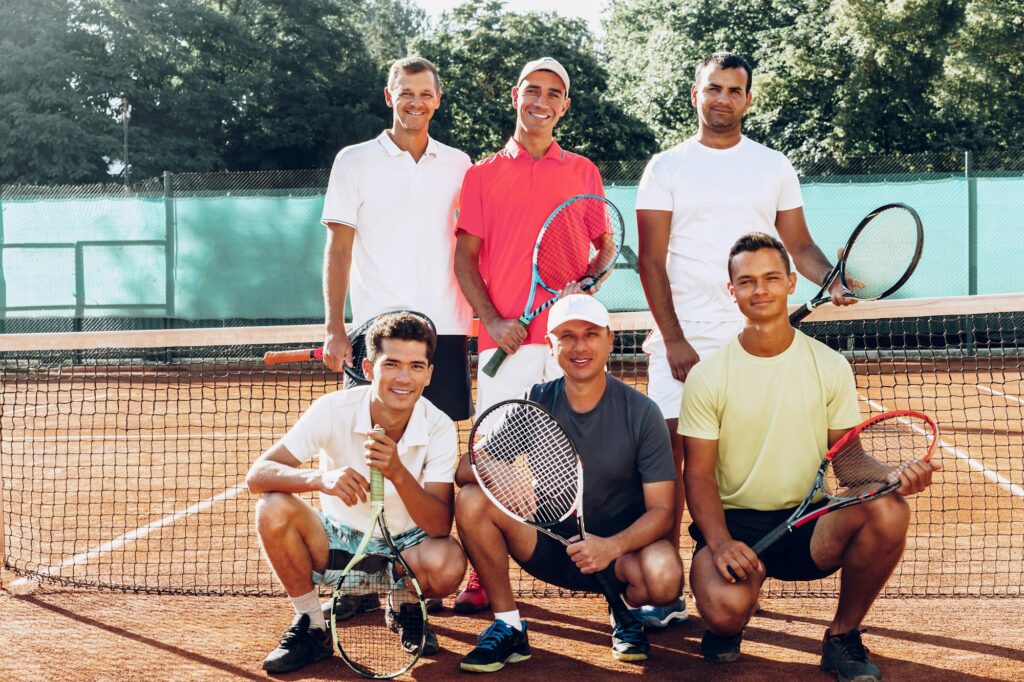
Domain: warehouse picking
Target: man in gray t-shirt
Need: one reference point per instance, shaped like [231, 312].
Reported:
[628, 497]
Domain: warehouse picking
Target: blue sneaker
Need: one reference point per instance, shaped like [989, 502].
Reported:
[629, 643]
[661, 616]
[499, 644]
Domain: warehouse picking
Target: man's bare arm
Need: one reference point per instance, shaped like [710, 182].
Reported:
[506, 332]
[337, 266]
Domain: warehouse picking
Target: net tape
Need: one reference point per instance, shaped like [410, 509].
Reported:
[123, 468]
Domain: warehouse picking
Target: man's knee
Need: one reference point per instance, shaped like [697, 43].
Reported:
[275, 512]
[663, 572]
[889, 518]
[444, 563]
[471, 503]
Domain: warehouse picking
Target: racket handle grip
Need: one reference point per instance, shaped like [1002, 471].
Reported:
[277, 357]
[376, 480]
[764, 543]
[491, 368]
[612, 596]
[799, 314]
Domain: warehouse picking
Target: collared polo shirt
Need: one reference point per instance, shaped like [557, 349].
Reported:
[335, 427]
[505, 200]
[403, 213]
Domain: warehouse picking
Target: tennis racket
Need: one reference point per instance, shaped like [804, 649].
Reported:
[368, 642]
[356, 337]
[528, 467]
[579, 242]
[878, 259]
[862, 466]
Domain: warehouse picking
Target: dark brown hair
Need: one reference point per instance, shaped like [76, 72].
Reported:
[404, 326]
[755, 241]
[726, 60]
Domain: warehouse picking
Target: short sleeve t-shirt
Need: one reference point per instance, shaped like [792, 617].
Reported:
[623, 443]
[715, 196]
[771, 418]
[505, 200]
[335, 427]
[403, 212]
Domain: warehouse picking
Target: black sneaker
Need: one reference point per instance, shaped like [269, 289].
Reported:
[629, 643]
[435, 606]
[720, 648]
[350, 606]
[499, 644]
[847, 657]
[299, 647]
[409, 625]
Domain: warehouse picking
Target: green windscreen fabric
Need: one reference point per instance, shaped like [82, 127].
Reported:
[258, 255]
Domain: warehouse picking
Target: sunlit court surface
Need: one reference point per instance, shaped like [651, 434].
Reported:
[130, 550]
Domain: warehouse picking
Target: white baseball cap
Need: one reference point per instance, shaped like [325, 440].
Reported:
[545, 64]
[578, 307]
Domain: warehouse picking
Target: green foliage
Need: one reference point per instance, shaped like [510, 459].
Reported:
[53, 128]
[479, 50]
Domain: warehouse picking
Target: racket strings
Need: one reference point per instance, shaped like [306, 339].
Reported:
[370, 639]
[882, 252]
[566, 251]
[874, 458]
[528, 464]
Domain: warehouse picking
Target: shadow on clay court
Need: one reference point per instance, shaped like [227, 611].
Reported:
[140, 639]
[911, 636]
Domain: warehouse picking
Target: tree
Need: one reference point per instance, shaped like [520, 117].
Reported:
[479, 50]
[54, 124]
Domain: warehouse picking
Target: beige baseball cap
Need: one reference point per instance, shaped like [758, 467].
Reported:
[546, 64]
[578, 307]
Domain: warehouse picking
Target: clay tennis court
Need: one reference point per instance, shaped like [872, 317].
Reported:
[126, 474]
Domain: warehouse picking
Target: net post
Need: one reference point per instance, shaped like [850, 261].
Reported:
[79, 286]
[169, 241]
[972, 224]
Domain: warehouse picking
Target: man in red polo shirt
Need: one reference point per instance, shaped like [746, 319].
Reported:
[505, 200]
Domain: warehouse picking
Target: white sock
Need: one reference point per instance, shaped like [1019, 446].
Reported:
[510, 617]
[309, 605]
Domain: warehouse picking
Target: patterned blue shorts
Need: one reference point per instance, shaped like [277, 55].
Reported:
[348, 539]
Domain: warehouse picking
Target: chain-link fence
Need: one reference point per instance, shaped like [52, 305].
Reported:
[208, 249]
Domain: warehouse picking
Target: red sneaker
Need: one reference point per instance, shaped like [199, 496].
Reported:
[473, 598]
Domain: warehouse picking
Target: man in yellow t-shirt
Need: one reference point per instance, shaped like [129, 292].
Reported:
[757, 418]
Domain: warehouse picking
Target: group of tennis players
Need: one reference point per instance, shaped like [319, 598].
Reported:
[413, 224]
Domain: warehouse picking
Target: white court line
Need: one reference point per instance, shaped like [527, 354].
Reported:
[989, 389]
[46, 407]
[974, 464]
[136, 534]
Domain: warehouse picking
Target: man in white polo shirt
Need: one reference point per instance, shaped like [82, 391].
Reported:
[417, 453]
[694, 200]
[390, 215]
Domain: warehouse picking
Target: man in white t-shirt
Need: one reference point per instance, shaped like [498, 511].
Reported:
[390, 214]
[695, 200]
[417, 453]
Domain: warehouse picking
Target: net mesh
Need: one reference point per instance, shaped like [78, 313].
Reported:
[123, 456]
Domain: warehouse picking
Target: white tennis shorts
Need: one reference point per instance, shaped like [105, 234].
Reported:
[531, 364]
[707, 338]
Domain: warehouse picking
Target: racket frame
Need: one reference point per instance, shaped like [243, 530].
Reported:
[378, 520]
[530, 313]
[799, 518]
[612, 596]
[355, 372]
[839, 269]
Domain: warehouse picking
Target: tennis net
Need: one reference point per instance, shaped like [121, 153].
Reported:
[123, 454]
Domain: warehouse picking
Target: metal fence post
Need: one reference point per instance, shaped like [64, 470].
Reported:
[3, 279]
[972, 224]
[169, 248]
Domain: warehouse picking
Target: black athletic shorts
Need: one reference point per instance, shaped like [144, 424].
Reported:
[449, 387]
[551, 564]
[789, 558]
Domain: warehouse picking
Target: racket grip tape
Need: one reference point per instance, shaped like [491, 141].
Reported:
[376, 479]
[277, 357]
[613, 597]
[764, 543]
[491, 368]
[799, 314]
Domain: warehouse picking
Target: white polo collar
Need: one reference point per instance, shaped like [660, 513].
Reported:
[392, 149]
[417, 431]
